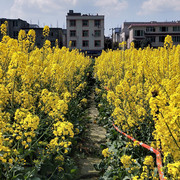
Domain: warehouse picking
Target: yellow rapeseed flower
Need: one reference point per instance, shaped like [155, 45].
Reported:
[46, 31]
[106, 152]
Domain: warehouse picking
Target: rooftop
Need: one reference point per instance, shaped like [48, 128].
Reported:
[6, 19]
[154, 23]
[72, 13]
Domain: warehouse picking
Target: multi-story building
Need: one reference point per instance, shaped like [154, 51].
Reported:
[116, 35]
[85, 32]
[124, 34]
[55, 33]
[154, 32]
[14, 26]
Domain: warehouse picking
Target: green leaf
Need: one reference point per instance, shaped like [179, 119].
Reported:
[73, 171]
[35, 178]
[126, 178]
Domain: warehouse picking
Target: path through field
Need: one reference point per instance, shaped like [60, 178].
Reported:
[95, 137]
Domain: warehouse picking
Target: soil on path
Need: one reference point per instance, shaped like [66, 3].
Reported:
[95, 137]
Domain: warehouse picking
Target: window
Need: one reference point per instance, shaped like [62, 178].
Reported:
[73, 43]
[15, 33]
[15, 23]
[72, 33]
[150, 29]
[97, 43]
[163, 29]
[85, 23]
[85, 43]
[176, 38]
[97, 33]
[97, 23]
[72, 22]
[85, 33]
[139, 33]
[176, 28]
[152, 38]
[161, 38]
[52, 43]
[52, 34]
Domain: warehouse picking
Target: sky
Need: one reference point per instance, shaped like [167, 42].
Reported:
[53, 12]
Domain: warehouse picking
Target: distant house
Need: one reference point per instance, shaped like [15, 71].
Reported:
[85, 32]
[14, 26]
[116, 35]
[124, 34]
[55, 33]
[154, 32]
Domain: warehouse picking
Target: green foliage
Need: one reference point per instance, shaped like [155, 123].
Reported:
[118, 145]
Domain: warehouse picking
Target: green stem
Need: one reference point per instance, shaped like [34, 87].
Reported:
[171, 132]
[172, 135]
[42, 135]
[53, 173]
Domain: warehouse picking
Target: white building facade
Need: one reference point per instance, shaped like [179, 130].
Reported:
[85, 32]
[116, 35]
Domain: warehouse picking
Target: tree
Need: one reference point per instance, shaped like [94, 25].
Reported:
[142, 43]
[107, 43]
[145, 43]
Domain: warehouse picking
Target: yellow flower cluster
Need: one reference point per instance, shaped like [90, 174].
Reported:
[149, 161]
[81, 86]
[61, 131]
[174, 170]
[4, 28]
[135, 178]
[122, 45]
[168, 43]
[98, 91]
[129, 164]
[84, 101]
[46, 31]
[36, 86]
[25, 126]
[52, 104]
[144, 91]
[148, 169]
[126, 161]
[106, 152]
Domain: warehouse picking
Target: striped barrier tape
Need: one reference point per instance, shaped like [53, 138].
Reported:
[158, 154]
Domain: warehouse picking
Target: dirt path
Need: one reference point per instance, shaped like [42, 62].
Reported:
[95, 136]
